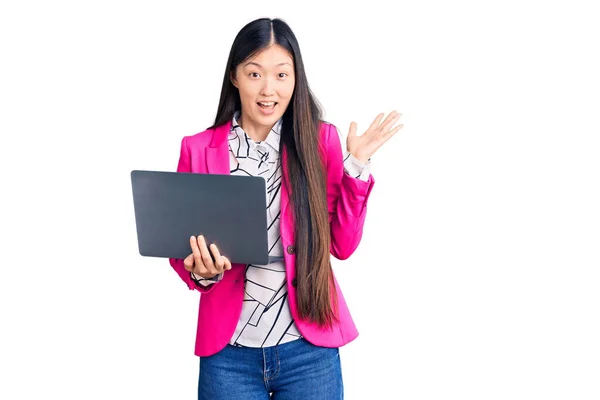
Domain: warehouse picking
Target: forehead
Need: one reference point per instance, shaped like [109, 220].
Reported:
[272, 57]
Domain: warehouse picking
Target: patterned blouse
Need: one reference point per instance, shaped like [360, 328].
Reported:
[266, 319]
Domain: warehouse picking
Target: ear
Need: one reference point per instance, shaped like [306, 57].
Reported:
[233, 80]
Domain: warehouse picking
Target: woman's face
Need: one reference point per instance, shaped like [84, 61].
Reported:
[266, 84]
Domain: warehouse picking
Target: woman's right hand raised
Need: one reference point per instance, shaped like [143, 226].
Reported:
[200, 262]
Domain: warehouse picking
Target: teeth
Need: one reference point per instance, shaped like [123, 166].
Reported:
[268, 104]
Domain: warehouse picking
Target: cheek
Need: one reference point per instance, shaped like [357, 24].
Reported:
[246, 96]
[288, 90]
[246, 88]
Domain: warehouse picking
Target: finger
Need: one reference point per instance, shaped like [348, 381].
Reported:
[390, 121]
[188, 263]
[376, 121]
[206, 258]
[198, 264]
[352, 132]
[227, 263]
[391, 133]
[219, 263]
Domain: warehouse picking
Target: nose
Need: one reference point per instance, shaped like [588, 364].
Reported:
[268, 88]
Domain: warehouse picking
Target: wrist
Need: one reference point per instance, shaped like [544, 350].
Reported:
[362, 159]
[199, 278]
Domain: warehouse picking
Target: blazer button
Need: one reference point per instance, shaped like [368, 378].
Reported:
[294, 282]
[291, 249]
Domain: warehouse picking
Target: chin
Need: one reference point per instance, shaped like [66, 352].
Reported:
[269, 119]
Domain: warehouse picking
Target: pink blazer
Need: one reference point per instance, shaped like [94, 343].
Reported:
[220, 305]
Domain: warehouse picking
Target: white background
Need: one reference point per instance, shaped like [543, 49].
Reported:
[478, 274]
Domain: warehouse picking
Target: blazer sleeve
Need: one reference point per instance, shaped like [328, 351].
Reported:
[346, 200]
[184, 165]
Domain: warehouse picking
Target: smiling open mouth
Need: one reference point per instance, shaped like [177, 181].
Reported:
[267, 104]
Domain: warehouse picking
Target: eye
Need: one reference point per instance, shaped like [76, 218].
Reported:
[254, 75]
[282, 73]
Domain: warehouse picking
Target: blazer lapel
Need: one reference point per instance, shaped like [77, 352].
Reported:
[217, 152]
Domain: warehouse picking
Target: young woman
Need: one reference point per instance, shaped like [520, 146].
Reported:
[274, 330]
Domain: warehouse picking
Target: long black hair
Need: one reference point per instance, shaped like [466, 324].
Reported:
[316, 296]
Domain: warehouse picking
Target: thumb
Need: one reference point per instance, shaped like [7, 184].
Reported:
[188, 263]
[352, 131]
[227, 263]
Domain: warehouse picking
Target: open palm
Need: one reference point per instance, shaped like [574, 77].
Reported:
[364, 146]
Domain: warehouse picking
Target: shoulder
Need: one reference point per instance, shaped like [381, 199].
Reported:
[207, 137]
[325, 127]
[200, 139]
[329, 135]
[330, 144]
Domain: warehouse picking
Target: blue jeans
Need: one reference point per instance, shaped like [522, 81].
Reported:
[297, 370]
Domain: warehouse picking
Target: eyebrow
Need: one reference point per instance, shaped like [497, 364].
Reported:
[260, 66]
